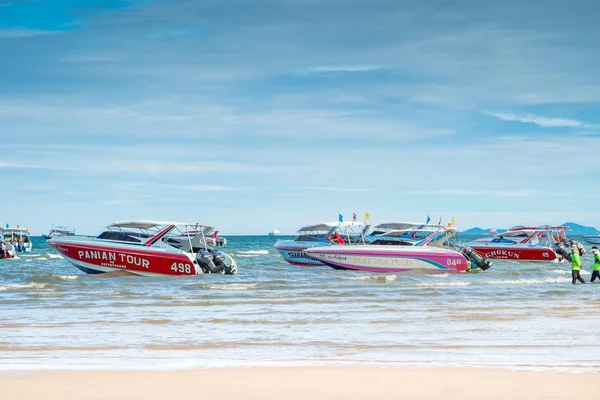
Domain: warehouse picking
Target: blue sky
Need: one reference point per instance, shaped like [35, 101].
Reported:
[254, 115]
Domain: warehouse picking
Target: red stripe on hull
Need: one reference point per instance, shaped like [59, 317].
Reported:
[127, 260]
[523, 254]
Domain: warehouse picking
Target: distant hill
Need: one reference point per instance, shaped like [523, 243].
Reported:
[479, 232]
[576, 229]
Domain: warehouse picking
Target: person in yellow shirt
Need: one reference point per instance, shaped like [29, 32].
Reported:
[596, 268]
[575, 265]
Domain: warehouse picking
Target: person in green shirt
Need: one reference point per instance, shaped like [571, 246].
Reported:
[596, 271]
[575, 265]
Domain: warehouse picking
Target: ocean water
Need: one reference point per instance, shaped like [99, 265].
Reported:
[515, 315]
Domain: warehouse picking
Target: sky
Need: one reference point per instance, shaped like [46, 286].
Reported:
[264, 114]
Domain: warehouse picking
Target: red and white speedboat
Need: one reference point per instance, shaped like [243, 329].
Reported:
[145, 248]
[526, 243]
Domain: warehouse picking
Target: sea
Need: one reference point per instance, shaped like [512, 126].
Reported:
[515, 315]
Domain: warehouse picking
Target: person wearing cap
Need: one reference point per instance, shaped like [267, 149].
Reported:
[336, 238]
[575, 265]
[596, 271]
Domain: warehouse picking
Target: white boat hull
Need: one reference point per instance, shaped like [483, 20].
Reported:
[383, 258]
[293, 252]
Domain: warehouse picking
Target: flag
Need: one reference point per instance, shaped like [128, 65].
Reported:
[428, 219]
[340, 218]
[440, 221]
[354, 217]
[6, 225]
[453, 221]
[367, 216]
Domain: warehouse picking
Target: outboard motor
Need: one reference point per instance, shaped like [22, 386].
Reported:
[475, 258]
[580, 248]
[219, 261]
[561, 250]
[205, 261]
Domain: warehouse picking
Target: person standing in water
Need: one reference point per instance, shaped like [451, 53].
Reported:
[575, 265]
[596, 271]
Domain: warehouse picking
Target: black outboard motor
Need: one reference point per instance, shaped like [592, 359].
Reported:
[475, 258]
[561, 250]
[205, 261]
[219, 261]
[580, 248]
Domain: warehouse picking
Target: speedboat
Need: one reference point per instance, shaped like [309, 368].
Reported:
[528, 243]
[433, 252]
[7, 250]
[319, 235]
[19, 238]
[59, 231]
[594, 239]
[144, 248]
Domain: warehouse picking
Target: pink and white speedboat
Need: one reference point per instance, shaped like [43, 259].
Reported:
[433, 253]
[527, 243]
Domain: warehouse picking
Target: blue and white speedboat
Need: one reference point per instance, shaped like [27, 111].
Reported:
[19, 238]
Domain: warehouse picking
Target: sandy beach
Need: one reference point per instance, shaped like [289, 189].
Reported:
[298, 383]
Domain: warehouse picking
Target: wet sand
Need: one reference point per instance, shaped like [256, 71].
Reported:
[299, 383]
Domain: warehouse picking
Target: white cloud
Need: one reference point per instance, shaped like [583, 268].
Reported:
[15, 33]
[344, 68]
[337, 189]
[122, 202]
[540, 121]
[489, 193]
[213, 188]
[25, 165]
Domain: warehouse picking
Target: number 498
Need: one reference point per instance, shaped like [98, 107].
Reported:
[181, 268]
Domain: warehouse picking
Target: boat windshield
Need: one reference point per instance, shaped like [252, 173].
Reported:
[16, 237]
[123, 236]
[309, 237]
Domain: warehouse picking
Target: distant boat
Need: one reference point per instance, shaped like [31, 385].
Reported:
[594, 239]
[19, 238]
[59, 231]
[274, 232]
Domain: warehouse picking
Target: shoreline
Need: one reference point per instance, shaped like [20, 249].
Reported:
[297, 383]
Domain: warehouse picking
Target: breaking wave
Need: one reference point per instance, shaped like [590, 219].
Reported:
[234, 286]
[377, 278]
[251, 253]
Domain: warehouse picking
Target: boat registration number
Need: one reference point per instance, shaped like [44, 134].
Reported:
[181, 268]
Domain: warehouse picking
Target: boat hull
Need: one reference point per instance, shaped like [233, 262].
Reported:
[517, 253]
[390, 258]
[293, 252]
[594, 239]
[92, 257]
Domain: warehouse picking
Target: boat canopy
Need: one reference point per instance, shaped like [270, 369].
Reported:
[16, 230]
[325, 226]
[148, 224]
[406, 225]
[540, 228]
[401, 232]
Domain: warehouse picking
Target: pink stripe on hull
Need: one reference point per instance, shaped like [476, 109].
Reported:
[369, 269]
